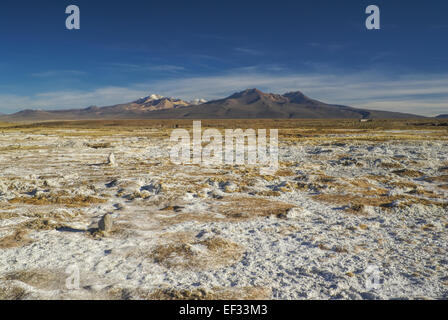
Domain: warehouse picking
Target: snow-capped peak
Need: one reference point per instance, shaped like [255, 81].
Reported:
[198, 101]
[151, 97]
[155, 97]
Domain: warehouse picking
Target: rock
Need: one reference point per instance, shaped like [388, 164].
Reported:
[119, 206]
[3, 188]
[293, 213]
[111, 160]
[106, 222]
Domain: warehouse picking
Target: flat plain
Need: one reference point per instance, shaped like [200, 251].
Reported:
[348, 198]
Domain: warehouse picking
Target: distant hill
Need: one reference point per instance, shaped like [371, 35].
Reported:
[442, 116]
[253, 103]
[250, 103]
[135, 109]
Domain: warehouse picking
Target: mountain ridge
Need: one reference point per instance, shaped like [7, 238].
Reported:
[249, 103]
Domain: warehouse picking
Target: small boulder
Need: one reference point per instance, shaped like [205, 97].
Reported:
[111, 160]
[106, 222]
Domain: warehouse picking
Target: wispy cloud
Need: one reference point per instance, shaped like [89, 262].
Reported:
[58, 73]
[425, 94]
[166, 68]
[129, 67]
[248, 51]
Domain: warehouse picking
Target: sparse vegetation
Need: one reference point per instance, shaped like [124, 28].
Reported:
[203, 254]
[19, 238]
[336, 196]
[76, 201]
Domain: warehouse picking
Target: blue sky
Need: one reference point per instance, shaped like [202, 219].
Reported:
[210, 49]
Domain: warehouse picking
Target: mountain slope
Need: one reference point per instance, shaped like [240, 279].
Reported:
[250, 103]
[442, 116]
[135, 109]
[253, 103]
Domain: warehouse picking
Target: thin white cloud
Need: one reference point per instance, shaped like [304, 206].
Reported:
[58, 73]
[247, 51]
[127, 67]
[166, 68]
[421, 94]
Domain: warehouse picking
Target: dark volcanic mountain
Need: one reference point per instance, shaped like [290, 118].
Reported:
[248, 104]
[253, 103]
[442, 116]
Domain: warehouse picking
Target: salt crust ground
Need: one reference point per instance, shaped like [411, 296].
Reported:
[192, 229]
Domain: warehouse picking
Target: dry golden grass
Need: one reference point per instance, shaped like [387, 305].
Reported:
[12, 292]
[382, 201]
[423, 192]
[355, 208]
[197, 254]
[402, 184]
[390, 165]
[19, 148]
[8, 214]
[442, 178]
[41, 279]
[408, 173]
[40, 224]
[377, 178]
[284, 172]
[290, 130]
[246, 207]
[233, 208]
[120, 229]
[18, 239]
[215, 293]
[102, 145]
[184, 217]
[269, 193]
[367, 188]
[352, 200]
[283, 230]
[70, 202]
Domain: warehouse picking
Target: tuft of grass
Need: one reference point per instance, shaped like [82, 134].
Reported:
[215, 293]
[71, 202]
[382, 201]
[355, 201]
[41, 224]
[363, 227]
[408, 173]
[402, 184]
[356, 208]
[442, 178]
[246, 207]
[205, 254]
[390, 165]
[18, 239]
[8, 214]
[350, 274]
[41, 279]
[103, 145]
[12, 292]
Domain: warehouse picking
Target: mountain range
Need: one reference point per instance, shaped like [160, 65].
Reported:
[247, 104]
